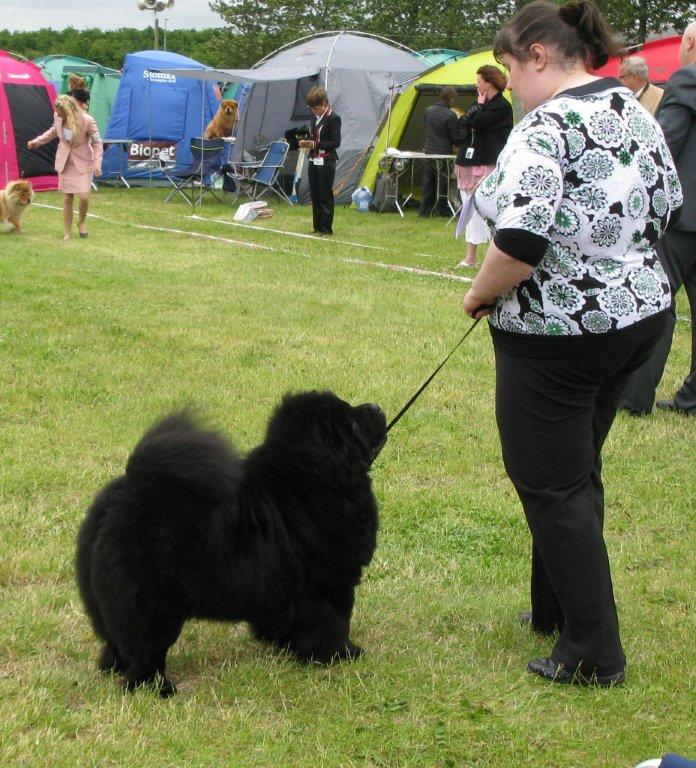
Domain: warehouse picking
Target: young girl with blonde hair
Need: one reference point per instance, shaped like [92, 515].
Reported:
[78, 158]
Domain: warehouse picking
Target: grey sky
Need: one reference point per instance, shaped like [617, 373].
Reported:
[102, 14]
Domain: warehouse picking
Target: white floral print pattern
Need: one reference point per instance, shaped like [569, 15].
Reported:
[595, 164]
[589, 171]
[605, 128]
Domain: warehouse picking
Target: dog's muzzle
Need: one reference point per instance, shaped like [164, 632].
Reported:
[379, 416]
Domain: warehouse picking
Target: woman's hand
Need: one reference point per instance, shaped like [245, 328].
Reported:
[31, 144]
[477, 306]
[482, 97]
[306, 144]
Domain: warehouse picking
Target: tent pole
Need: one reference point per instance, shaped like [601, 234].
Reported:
[391, 98]
[149, 114]
[193, 211]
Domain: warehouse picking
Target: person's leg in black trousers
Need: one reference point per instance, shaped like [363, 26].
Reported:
[547, 614]
[685, 397]
[553, 417]
[545, 416]
[327, 173]
[314, 193]
[428, 188]
[677, 254]
[321, 179]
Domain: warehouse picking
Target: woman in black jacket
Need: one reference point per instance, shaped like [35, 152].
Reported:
[481, 135]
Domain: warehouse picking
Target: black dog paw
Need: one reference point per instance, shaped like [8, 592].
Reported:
[109, 660]
[351, 652]
[160, 684]
[325, 657]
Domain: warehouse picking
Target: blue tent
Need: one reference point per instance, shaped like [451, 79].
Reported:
[155, 110]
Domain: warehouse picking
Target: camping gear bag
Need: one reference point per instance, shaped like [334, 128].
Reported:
[384, 199]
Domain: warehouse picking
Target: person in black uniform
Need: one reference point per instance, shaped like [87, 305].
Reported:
[326, 138]
[440, 135]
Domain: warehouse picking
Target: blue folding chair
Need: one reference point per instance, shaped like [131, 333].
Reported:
[256, 178]
[195, 179]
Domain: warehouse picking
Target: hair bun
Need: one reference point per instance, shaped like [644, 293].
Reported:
[572, 13]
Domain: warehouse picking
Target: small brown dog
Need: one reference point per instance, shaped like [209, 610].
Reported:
[76, 81]
[14, 199]
[222, 124]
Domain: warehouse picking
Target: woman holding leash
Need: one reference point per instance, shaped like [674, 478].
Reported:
[78, 158]
[326, 139]
[580, 195]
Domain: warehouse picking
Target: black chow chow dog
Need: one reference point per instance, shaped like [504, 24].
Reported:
[278, 539]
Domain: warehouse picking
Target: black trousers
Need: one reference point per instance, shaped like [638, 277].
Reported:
[434, 173]
[553, 417]
[677, 253]
[321, 179]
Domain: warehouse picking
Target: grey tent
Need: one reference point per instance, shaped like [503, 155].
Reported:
[359, 72]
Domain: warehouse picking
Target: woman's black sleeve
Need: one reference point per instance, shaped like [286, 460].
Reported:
[522, 245]
[496, 113]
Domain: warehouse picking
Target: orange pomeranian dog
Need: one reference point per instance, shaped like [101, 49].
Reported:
[222, 124]
[14, 199]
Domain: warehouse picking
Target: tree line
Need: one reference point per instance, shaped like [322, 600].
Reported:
[108, 47]
[254, 28]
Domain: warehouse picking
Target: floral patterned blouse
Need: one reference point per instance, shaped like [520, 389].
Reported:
[582, 191]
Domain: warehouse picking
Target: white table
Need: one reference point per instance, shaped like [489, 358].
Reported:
[392, 154]
[119, 170]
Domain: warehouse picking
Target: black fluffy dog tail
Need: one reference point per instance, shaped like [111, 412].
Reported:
[177, 451]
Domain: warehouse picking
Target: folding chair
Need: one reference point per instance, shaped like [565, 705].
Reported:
[256, 178]
[207, 158]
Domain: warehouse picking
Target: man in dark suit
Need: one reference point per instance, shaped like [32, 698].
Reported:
[677, 249]
[326, 139]
[440, 135]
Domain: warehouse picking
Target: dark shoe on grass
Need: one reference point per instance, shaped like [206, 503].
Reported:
[670, 405]
[555, 672]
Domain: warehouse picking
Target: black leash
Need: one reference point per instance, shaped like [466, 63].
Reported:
[433, 374]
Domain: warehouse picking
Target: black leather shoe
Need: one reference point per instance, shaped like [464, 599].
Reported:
[670, 405]
[557, 673]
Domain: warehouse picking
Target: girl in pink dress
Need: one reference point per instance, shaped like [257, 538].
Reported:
[78, 158]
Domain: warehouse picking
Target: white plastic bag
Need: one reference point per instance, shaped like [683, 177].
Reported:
[249, 211]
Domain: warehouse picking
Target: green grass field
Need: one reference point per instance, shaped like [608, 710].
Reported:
[156, 310]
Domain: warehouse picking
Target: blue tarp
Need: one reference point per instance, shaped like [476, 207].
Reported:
[159, 107]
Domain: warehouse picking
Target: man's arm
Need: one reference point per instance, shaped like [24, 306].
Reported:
[678, 108]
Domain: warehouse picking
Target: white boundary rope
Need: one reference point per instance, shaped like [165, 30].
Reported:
[229, 241]
[284, 232]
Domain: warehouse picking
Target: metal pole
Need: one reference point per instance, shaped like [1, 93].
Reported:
[164, 46]
[156, 32]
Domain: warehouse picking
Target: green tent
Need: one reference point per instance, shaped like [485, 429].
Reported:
[404, 127]
[102, 82]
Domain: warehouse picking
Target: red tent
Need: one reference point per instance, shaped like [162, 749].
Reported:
[662, 57]
[26, 110]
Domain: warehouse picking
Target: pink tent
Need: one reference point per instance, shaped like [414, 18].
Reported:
[662, 57]
[26, 110]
